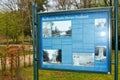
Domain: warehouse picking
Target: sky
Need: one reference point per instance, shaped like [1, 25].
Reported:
[1, 7]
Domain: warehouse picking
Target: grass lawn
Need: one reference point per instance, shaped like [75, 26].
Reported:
[62, 75]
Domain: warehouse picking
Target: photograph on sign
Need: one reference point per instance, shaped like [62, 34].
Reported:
[52, 57]
[61, 28]
[100, 22]
[100, 53]
[47, 29]
[83, 59]
[57, 29]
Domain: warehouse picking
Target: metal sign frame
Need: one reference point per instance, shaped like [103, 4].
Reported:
[84, 11]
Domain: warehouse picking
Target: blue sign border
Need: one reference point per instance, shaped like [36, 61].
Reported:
[48, 14]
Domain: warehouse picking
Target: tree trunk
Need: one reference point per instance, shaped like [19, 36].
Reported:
[85, 3]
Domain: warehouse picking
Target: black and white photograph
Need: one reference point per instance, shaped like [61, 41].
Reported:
[83, 59]
[61, 28]
[52, 56]
[100, 53]
[47, 32]
[100, 23]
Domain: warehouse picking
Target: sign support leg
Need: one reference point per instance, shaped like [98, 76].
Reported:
[116, 38]
[34, 35]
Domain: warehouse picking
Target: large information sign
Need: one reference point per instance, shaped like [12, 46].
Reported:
[76, 40]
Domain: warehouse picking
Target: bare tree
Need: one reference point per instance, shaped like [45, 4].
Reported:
[9, 5]
[88, 3]
[77, 3]
[63, 4]
[42, 4]
[108, 2]
[104, 2]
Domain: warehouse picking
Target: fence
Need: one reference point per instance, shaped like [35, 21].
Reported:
[12, 58]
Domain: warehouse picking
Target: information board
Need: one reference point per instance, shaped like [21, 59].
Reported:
[77, 40]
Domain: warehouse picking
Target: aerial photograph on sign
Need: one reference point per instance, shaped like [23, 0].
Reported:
[52, 56]
[100, 23]
[83, 59]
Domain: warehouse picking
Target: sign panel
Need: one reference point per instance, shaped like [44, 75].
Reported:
[76, 40]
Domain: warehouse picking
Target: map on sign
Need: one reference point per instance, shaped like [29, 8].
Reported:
[75, 40]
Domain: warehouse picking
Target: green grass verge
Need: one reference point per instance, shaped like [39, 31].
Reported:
[62, 75]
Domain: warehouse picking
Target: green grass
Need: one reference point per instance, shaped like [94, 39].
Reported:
[62, 75]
